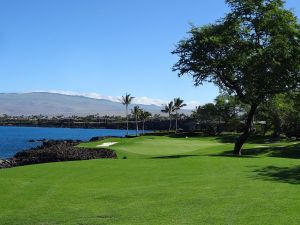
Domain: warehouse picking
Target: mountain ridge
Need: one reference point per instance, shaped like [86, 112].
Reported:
[53, 104]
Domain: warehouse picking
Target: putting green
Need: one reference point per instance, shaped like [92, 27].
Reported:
[160, 146]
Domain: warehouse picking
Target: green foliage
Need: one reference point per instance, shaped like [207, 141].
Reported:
[145, 115]
[254, 53]
[169, 108]
[136, 111]
[223, 115]
[227, 107]
[207, 112]
[178, 104]
[282, 114]
[127, 99]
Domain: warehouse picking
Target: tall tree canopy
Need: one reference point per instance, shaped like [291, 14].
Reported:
[282, 113]
[254, 53]
[227, 107]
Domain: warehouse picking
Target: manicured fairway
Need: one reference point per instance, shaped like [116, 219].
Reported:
[147, 147]
[163, 181]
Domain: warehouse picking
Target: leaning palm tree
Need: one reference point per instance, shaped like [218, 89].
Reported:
[126, 100]
[169, 108]
[178, 104]
[136, 111]
[144, 116]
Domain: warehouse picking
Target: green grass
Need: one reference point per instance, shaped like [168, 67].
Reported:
[151, 146]
[164, 181]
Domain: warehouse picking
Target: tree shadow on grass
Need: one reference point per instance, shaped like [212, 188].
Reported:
[173, 156]
[254, 139]
[289, 175]
[249, 153]
[292, 152]
[229, 154]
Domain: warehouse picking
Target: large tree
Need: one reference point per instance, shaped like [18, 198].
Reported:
[253, 52]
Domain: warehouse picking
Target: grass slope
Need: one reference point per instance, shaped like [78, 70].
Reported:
[163, 181]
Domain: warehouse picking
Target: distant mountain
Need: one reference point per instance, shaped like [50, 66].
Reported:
[51, 104]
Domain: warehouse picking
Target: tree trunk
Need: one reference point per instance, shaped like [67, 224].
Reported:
[277, 125]
[170, 127]
[137, 126]
[247, 131]
[143, 127]
[176, 123]
[127, 117]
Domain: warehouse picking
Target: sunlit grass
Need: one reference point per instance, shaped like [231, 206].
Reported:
[163, 181]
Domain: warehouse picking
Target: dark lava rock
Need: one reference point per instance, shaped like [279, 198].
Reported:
[7, 163]
[56, 151]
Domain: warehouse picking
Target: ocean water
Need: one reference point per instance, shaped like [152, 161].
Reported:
[14, 139]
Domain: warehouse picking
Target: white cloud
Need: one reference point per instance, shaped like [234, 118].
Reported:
[149, 101]
[192, 104]
[137, 100]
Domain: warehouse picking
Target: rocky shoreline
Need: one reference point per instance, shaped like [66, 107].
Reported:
[56, 151]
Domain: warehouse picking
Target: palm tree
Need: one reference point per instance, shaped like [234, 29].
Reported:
[144, 116]
[178, 104]
[136, 111]
[126, 100]
[169, 108]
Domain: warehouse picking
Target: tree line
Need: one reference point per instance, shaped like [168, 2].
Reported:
[279, 115]
[276, 116]
[172, 108]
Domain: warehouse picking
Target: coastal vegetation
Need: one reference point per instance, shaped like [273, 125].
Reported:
[126, 100]
[169, 108]
[136, 112]
[178, 104]
[145, 115]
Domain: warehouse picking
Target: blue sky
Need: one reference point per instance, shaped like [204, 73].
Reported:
[102, 48]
